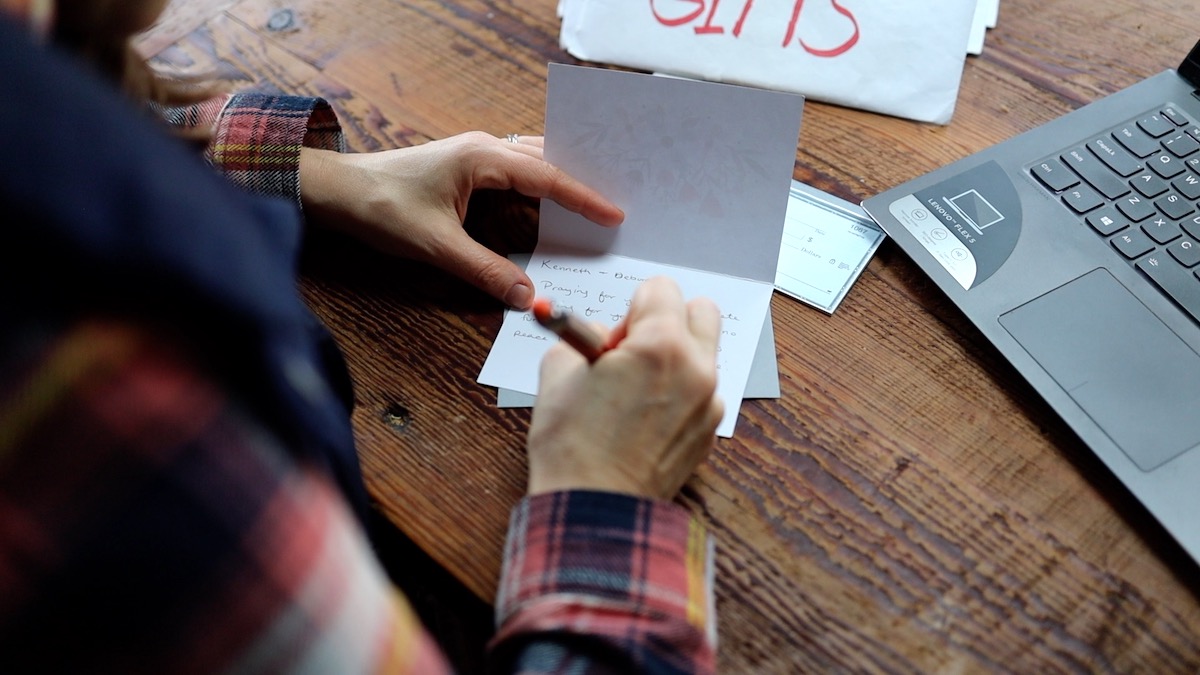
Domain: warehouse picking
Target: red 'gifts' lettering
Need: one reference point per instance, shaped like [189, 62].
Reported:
[708, 27]
[687, 11]
[829, 53]
[679, 21]
[737, 27]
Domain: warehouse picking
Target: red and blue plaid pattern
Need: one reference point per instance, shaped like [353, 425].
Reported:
[256, 138]
[629, 576]
[150, 523]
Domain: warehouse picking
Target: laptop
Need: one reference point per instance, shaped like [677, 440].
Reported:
[1075, 249]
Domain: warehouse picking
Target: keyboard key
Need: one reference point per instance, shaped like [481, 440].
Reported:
[1139, 187]
[1165, 165]
[1157, 125]
[1186, 251]
[1181, 145]
[1095, 173]
[1118, 158]
[1136, 209]
[1136, 141]
[1083, 199]
[1188, 185]
[1173, 205]
[1107, 221]
[1148, 184]
[1192, 227]
[1054, 175]
[1176, 117]
[1175, 281]
[1162, 230]
[1133, 244]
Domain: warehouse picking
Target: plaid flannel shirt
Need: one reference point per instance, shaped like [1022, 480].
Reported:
[149, 523]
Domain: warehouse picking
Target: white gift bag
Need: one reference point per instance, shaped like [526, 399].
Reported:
[898, 57]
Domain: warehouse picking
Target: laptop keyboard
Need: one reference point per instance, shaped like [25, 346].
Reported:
[1138, 187]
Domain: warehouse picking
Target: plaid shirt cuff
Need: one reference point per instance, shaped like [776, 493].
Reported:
[632, 576]
[257, 138]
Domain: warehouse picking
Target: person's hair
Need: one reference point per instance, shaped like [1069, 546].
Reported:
[102, 33]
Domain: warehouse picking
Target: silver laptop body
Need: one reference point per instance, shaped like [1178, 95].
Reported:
[1075, 249]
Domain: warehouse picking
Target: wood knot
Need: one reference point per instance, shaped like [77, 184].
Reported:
[397, 417]
[281, 20]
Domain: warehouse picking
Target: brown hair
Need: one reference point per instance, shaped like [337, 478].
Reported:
[102, 32]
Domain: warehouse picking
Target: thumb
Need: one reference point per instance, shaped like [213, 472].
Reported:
[478, 265]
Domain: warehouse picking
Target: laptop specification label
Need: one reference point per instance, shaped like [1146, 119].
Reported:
[969, 223]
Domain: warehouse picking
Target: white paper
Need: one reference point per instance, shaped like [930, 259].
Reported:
[986, 14]
[598, 289]
[993, 13]
[762, 382]
[899, 57]
[702, 172]
[827, 242]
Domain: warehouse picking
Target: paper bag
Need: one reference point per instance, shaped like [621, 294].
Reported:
[898, 57]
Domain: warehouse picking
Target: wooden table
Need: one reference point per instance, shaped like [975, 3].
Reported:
[908, 505]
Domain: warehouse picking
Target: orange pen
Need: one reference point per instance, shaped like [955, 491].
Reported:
[572, 331]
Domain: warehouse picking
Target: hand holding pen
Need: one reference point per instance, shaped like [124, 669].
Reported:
[638, 411]
[571, 329]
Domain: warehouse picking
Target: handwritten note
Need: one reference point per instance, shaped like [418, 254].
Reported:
[903, 57]
[763, 381]
[599, 288]
[702, 172]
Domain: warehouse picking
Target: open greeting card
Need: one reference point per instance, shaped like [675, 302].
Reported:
[702, 171]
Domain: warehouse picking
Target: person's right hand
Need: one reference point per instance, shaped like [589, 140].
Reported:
[644, 415]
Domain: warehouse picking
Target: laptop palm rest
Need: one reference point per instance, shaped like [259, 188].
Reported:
[1130, 373]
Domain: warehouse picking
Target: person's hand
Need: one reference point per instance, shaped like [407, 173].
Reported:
[412, 201]
[644, 415]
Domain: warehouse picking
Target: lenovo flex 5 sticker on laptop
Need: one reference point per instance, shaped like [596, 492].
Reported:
[969, 223]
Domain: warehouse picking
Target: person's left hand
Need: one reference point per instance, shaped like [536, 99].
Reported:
[412, 201]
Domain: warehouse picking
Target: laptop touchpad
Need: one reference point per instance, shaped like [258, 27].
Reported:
[1132, 375]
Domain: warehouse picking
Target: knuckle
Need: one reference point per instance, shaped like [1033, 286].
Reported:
[548, 181]
[556, 180]
[673, 354]
[476, 138]
[668, 348]
[704, 305]
[487, 272]
[471, 144]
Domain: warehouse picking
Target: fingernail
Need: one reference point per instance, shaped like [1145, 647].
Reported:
[519, 296]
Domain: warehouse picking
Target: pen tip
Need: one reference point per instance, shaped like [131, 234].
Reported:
[542, 309]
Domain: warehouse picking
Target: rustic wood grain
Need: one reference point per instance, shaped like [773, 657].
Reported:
[908, 505]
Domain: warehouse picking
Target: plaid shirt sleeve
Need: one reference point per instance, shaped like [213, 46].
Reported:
[148, 524]
[598, 582]
[633, 576]
[256, 138]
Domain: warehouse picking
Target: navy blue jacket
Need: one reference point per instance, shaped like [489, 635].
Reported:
[102, 210]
